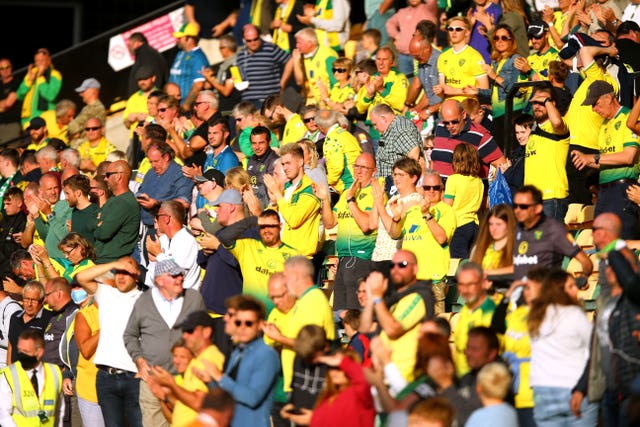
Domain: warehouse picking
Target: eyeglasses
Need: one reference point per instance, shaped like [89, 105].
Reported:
[362, 167]
[308, 119]
[263, 226]
[339, 70]
[251, 40]
[432, 187]
[502, 38]
[450, 122]
[52, 292]
[455, 29]
[522, 206]
[162, 214]
[5, 67]
[90, 129]
[162, 110]
[68, 251]
[282, 295]
[400, 264]
[537, 37]
[247, 323]
[108, 174]
[31, 300]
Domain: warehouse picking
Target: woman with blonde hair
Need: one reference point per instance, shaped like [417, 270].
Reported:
[334, 98]
[312, 168]
[78, 252]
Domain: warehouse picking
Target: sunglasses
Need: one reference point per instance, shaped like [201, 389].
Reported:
[263, 226]
[339, 70]
[537, 37]
[450, 122]
[455, 29]
[162, 110]
[522, 206]
[108, 174]
[541, 103]
[89, 129]
[432, 187]
[502, 38]
[5, 67]
[400, 264]
[247, 323]
[251, 40]
[188, 331]
[308, 119]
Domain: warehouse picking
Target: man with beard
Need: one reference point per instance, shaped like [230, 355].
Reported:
[222, 157]
[400, 316]
[546, 154]
[258, 259]
[279, 114]
[38, 136]
[28, 382]
[84, 214]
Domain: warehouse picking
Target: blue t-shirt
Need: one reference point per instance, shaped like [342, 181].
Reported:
[502, 415]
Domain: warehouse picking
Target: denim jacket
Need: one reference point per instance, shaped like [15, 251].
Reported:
[509, 73]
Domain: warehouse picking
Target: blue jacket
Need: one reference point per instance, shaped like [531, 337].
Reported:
[255, 384]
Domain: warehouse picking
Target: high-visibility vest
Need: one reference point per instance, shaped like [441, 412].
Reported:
[25, 404]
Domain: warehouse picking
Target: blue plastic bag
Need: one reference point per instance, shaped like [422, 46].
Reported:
[499, 191]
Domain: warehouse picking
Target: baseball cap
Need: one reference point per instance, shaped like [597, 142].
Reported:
[596, 90]
[537, 28]
[144, 72]
[187, 30]
[231, 196]
[89, 83]
[168, 266]
[193, 319]
[575, 42]
[211, 175]
[37, 123]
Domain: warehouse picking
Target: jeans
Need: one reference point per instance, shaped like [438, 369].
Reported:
[555, 208]
[614, 412]
[91, 413]
[613, 198]
[552, 409]
[118, 398]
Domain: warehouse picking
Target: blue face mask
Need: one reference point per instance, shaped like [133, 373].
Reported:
[78, 295]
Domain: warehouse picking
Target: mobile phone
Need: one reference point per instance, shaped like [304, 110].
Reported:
[294, 411]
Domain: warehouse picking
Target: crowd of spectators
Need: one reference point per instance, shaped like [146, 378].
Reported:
[275, 245]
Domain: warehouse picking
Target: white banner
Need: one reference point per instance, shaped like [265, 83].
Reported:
[159, 32]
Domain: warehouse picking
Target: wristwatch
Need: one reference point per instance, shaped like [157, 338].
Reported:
[547, 100]
[427, 216]
[596, 158]
[351, 199]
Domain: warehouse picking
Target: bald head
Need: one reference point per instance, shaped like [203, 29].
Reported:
[420, 49]
[606, 228]
[407, 255]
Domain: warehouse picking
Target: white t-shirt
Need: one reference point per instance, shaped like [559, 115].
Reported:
[114, 311]
[183, 249]
[561, 349]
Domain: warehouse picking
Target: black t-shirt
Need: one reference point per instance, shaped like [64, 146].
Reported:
[545, 244]
[12, 115]
[17, 326]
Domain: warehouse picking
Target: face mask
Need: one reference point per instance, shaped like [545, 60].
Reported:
[27, 362]
[78, 295]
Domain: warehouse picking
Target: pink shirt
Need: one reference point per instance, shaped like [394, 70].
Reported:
[402, 25]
